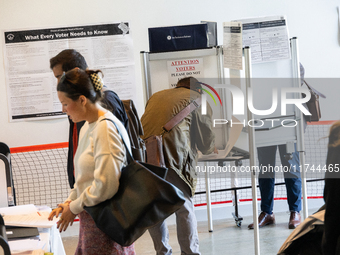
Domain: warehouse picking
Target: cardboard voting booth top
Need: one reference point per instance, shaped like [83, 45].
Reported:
[174, 38]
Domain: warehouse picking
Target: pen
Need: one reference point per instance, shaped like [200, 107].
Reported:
[39, 213]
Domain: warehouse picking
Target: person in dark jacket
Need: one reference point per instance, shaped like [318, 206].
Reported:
[65, 61]
[331, 235]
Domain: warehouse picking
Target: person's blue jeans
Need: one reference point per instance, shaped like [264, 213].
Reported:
[266, 156]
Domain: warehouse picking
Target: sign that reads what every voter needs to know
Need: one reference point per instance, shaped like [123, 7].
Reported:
[31, 86]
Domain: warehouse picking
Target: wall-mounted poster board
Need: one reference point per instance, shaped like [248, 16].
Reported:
[31, 87]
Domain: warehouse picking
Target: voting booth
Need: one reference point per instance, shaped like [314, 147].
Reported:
[285, 74]
[163, 70]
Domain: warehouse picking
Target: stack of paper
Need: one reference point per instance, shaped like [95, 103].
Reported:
[25, 246]
[26, 216]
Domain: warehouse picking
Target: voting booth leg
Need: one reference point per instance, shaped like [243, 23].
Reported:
[146, 75]
[208, 198]
[299, 127]
[304, 185]
[251, 137]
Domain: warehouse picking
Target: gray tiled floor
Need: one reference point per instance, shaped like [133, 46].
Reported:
[226, 238]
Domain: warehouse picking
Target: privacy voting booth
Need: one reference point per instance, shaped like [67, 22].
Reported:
[285, 74]
[287, 71]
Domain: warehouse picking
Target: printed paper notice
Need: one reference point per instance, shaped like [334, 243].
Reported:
[31, 86]
[178, 69]
[232, 45]
[267, 38]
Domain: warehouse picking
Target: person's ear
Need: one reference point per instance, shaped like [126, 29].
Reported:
[83, 100]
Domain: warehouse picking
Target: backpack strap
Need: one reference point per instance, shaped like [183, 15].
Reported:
[182, 114]
[314, 90]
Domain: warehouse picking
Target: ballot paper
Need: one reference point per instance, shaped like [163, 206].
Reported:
[235, 131]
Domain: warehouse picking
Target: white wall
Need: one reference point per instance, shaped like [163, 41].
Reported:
[314, 22]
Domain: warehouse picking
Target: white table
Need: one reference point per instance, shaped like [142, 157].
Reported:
[49, 237]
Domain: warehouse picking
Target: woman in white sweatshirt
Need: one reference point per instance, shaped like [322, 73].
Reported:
[98, 161]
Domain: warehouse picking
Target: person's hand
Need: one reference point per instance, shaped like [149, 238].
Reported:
[67, 217]
[55, 213]
[215, 150]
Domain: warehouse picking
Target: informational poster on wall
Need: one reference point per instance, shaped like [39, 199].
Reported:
[232, 45]
[267, 38]
[178, 69]
[31, 86]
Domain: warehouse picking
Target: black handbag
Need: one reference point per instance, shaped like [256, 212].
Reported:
[144, 198]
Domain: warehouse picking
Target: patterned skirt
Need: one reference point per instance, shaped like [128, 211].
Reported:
[93, 241]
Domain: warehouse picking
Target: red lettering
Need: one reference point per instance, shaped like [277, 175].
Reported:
[185, 68]
[185, 62]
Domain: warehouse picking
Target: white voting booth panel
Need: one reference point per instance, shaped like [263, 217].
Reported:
[156, 66]
[265, 78]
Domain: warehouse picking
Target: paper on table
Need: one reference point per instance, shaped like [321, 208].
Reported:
[36, 219]
[25, 246]
[235, 132]
[20, 209]
[26, 216]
